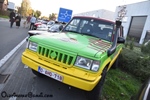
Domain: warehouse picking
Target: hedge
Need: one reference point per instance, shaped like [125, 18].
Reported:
[135, 63]
[4, 13]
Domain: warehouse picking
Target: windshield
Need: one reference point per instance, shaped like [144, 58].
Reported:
[55, 27]
[50, 23]
[93, 27]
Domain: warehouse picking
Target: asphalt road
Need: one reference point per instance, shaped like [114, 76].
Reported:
[10, 37]
[21, 80]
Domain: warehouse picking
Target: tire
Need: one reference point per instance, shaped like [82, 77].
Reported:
[115, 65]
[97, 91]
[37, 73]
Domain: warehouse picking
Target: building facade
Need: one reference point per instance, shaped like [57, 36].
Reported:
[11, 6]
[136, 21]
[3, 5]
[102, 13]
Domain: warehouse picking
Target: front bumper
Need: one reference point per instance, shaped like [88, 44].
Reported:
[71, 76]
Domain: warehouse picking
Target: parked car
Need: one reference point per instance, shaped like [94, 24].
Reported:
[40, 23]
[80, 55]
[144, 92]
[50, 23]
[44, 27]
[44, 30]
[56, 27]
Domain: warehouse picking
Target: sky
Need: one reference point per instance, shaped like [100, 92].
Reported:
[77, 6]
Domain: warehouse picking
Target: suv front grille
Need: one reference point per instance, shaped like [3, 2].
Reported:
[56, 56]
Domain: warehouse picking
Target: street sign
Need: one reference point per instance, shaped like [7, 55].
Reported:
[64, 15]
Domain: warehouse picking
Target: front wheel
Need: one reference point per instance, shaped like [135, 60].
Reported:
[96, 92]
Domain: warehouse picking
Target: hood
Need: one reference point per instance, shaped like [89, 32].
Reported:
[74, 42]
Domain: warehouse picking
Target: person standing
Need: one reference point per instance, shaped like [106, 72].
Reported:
[32, 22]
[12, 18]
[18, 20]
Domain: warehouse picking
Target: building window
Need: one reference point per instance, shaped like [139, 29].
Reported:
[136, 27]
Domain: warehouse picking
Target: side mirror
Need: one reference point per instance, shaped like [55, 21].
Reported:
[121, 40]
[61, 27]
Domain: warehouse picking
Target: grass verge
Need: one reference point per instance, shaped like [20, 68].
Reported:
[4, 16]
[119, 85]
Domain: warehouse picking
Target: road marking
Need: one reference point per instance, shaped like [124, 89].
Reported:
[13, 98]
[5, 58]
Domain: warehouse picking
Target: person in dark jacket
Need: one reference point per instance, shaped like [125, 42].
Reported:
[12, 18]
[18, 20]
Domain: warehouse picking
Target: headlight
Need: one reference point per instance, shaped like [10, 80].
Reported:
[95, 66]
[32, 46]
[87, 63]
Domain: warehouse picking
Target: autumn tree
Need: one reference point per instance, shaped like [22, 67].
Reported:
[44, 17]
[37, 13]
[19, 10]
[25, 7]
[52, 16]
[30, 11]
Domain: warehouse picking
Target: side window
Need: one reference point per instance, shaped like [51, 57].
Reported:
[73, 25]
[121, 31]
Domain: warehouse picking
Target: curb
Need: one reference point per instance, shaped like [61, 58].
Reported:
[4, 19]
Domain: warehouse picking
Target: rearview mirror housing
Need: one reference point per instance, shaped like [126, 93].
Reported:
[61, 27]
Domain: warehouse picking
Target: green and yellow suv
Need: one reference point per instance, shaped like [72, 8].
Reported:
[80, 55]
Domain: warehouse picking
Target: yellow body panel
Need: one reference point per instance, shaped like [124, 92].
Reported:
[114, 58]
[71, 75]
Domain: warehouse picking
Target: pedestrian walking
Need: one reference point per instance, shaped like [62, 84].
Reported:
[28, 21]
[12, 18]
[32, 22]
[18, 20]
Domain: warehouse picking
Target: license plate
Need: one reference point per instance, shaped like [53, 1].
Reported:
[50, 74]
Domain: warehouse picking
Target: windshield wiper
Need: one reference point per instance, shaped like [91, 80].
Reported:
[70, 31]
[90, 35]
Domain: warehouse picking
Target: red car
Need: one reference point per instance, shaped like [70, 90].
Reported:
[39, 23]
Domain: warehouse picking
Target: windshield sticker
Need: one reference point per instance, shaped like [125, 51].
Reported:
[98, 45]
[98, 42]
[72, 40]
[110, 33]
